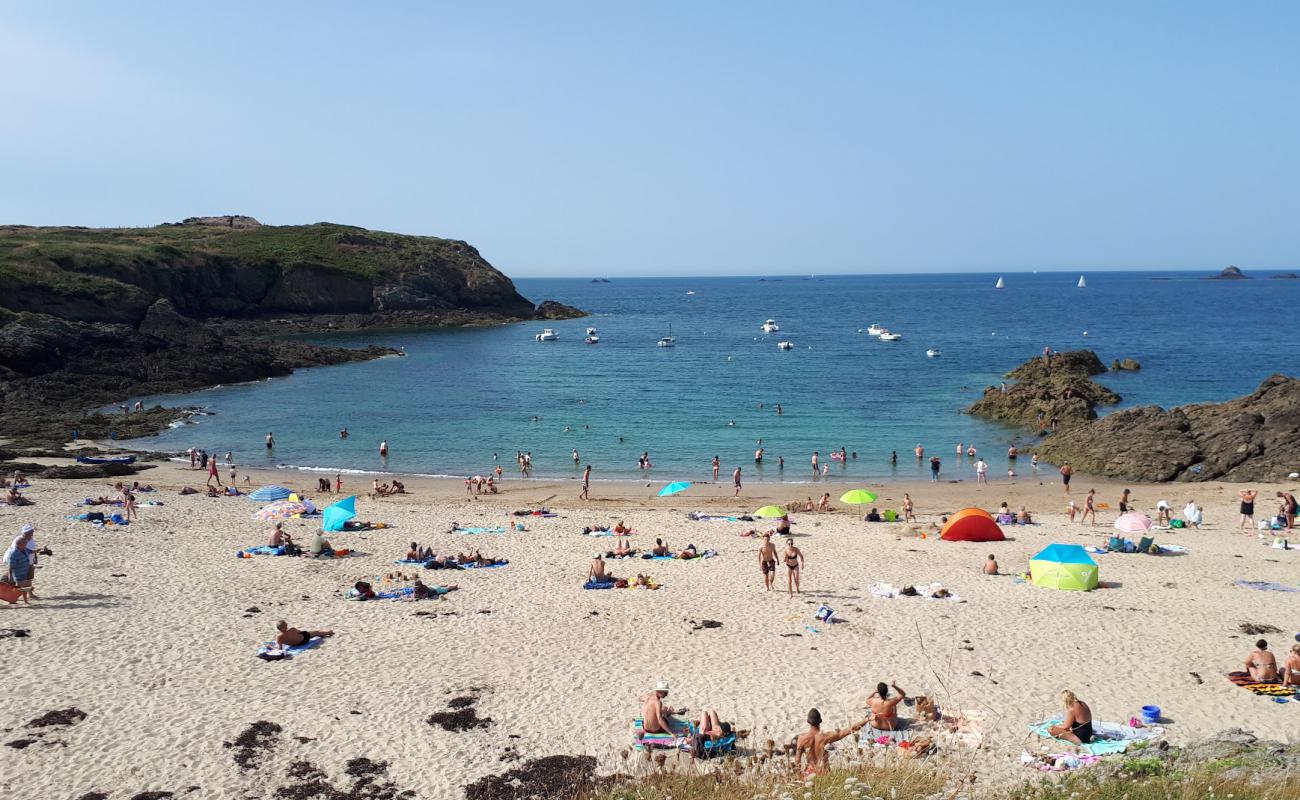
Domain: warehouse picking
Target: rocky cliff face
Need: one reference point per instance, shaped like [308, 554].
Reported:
[1060, 387]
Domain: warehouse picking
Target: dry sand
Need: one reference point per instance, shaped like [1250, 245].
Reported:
[148, 630]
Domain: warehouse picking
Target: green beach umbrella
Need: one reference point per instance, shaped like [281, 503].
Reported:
[857, 497]
[1064, 566]
[770, 512]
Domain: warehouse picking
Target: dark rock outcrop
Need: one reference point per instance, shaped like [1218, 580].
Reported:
[1060, 387]
[1125, 365]
[1285, 276]
[1229, 274]
[549, 309]
[1252, 438]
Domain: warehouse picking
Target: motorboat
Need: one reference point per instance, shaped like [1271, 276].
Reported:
[876, 330]
[592, 339]
[932, 353]
[785, 345]
[668, 341]
[1001, 284]
[547, 335]
[770, 326]
[591, 331]
[889, 336]
[1082, 283]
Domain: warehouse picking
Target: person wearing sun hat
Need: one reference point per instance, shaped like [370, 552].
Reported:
[654, 713]
[18, 563]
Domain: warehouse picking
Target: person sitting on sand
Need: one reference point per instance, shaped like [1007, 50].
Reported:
[320, 546]
[660, 549]
[1023, 518]
[642, 580]
[621, 530]
[413, 553]
[400, 488]
[1077, 725]
[873, 516]
[1291, 670]
[810, 755]
[13, 498]
[884, 709]
[783, 525]
[362, 590]
[1261, 664]
[622, 550]
[689, 553]
[277, 535]
[655, 713]
[824, 504]
[596, 572]
[1192, 513]
[991, 565]
[292, 637]
[808, 505]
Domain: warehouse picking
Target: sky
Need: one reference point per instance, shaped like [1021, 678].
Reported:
[666, 137]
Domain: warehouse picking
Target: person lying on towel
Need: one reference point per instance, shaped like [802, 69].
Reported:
[292, 637]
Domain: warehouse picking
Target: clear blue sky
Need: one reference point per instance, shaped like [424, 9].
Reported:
[667, 137]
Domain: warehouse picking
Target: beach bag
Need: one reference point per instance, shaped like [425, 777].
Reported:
[1177, 523]
[95, 516]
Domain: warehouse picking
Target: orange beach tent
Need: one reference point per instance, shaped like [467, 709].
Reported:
[971, 525]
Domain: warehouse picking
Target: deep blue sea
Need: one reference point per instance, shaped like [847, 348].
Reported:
[461, 396]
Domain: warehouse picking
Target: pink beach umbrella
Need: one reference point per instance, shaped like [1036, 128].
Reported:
[1133, 522]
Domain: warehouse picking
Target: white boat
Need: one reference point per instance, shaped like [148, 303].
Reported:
[876, 330]
[591, 331]
[770, 326]
[932, 353]
[668, 341]
[785, 345]
[1001, 284]
[547, 335]
[692, 291]
[592, 339]
[1082, 283]
[888, 336]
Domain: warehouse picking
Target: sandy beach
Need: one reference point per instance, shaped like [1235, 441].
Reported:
[152, 630]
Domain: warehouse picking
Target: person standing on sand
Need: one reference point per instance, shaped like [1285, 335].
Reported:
[1089, 508]
[270, 440]
[1247, 507]
[1288, 508]
[18, 564]
[717, 465]
[1125, 502]
[908, 515]
[1066, 472]
[586, 483]
[981, 471]
[338, 483]
[794, 561]
[810, 756]
[735, 478]
[767, 561]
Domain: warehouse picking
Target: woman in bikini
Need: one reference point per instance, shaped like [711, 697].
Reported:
[1262, 664]
[884, 709]
[1291, 670]
[1077, 726]
[793, 558]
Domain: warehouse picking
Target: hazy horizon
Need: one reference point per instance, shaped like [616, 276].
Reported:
[583, 139]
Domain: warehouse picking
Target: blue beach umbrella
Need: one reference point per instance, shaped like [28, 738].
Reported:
[333, 517]
[674, 488]
[269, 494]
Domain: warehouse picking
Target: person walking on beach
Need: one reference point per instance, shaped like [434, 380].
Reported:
[767, 561]
[586, 483]
[212, 473]
[981, 471]
[794, 561]
[1066, 472]
[934, 469]
[1089, 508]
[1247, 507]
[735, 479]
[18, 567]
[716, 466]
[128, 506]
[908, 515]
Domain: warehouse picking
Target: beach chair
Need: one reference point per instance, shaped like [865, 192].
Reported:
[1144, 546]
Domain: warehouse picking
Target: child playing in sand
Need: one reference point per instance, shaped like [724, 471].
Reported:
[991, 566]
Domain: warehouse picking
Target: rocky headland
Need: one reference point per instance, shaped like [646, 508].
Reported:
[1251, 438]
[89, 317]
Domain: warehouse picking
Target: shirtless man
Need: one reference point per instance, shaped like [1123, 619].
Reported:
[908, 508]
[586, 481]
[810, 756]
[919, 450]
[596, 572]
[884, 709]
[654, 713]
[1262, 664]
[767, 561]
[1066, 472]
[292, 637]
[1247, 507]
[824, 504]
[816, 460]
[660, 549]
[793, 558]
[735, 479]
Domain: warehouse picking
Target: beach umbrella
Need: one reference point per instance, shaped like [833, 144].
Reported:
[770, 512]
[1064, 566]
[284, 509]
[270, 493]
[674, 488]
[333, 517]
[971, 525]
[857, 497]
[1133, 522]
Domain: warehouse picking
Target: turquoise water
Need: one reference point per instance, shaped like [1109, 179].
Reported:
[460, 396]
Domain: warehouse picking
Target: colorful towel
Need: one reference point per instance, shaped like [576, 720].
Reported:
[276, 652]
[496, 529]
[876, 736]
[476, 565]
[1266, 586]
[1248, 683]
[1108, 737]
[412, 561]
[261, 550]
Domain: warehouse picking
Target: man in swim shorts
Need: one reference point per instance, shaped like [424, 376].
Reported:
[735, 478]
[810, 755]
[767, 561]
[654, 713]
[1066, 472]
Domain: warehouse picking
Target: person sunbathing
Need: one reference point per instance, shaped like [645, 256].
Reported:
[808, 505]
[136, 487]
[783, 525]
[810, 755]
[712, 726]
[884, 709]
[215, 492]
[478, 559]
[1077, 725]
[292, 637]
[13, 498]
[642, 580]
[873, 516]
[660, 549]
[1023, 518]
[621, 550]
[1262, 664]
[591, 529]
[596, 572]
[1291, 671]
[362, 590]
[991, 566]
[689, 553]
[655, 714]
[320, 546]
[414, 553]
[277, 535]
[621, 529]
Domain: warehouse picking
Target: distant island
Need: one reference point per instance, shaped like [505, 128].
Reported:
[89, 316]
[600, 280]
[1229, 273]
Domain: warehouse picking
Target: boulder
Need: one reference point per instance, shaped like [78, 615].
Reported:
[1125, 365]
[549, 309]
[1229, 274]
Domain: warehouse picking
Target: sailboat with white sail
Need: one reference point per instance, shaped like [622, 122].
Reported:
[1001, 284]
[1082, 283]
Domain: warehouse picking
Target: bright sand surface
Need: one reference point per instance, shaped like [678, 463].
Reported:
[146, 629]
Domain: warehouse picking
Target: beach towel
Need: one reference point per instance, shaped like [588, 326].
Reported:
[496, 529]
[270, 651]
[260, 550]
[412, 561]
[598, 585]
[1107, 737]
[1248, 683]
[679, 739]
[711, 518]
[882, 738]
[476, 565]
[1172, 549]
[1266, 586]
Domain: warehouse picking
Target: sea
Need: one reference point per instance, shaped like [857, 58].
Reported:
[463, 401]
